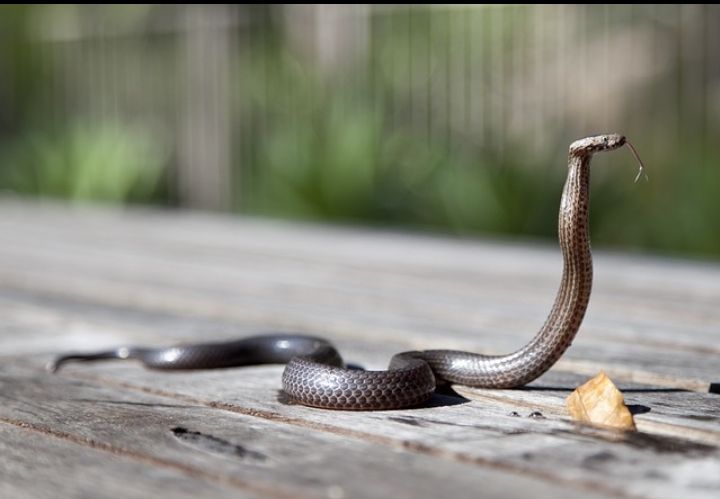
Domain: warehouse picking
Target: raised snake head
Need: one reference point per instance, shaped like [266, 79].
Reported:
[598, 143]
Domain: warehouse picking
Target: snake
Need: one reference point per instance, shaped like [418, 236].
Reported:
[315, 374]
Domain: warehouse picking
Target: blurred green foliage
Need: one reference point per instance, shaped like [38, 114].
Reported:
[350, 170]
[85, 161]
[343, 165]
[329, 152]
[350, 149]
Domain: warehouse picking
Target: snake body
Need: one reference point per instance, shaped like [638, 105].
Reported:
[315, 376]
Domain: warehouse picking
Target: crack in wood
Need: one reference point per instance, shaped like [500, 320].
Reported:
[591, 368]
[215, 445]
[407, 445]
[648, 427]
[150, 459]
[407, 420]
[574, 366]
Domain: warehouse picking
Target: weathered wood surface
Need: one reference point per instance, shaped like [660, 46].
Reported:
[87, 279]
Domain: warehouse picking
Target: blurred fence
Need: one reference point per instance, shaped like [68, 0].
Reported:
[447, 115]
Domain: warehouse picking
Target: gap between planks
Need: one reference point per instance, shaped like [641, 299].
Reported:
[546, 476]
[651, 427]
[209, 309]
[404, 445]
[137, 456]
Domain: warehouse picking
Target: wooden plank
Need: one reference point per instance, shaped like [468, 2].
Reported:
[381, 310]
[477, 300]
[263, 387]
[253, 454]
[484, 433]
[316, 254]
[96, 327]
[104, 334]
[67, 282]
[110, 328]
[671, 407]
[662, 411]
[35, 464]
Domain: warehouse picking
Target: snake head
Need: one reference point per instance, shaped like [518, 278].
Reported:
[590, 145]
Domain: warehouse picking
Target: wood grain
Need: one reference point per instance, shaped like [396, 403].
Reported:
[87, 279]
[35, 464]
[248, 452]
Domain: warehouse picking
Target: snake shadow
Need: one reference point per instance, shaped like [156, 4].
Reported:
[441, 398]
[444, 395]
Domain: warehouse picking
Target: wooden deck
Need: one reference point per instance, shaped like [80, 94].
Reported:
[89, 279]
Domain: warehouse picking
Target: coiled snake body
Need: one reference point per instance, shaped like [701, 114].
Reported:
[315, 376]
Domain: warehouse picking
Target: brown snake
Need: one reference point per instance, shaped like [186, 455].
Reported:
[315, 375]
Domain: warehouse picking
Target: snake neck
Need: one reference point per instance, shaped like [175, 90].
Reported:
[573, 296]
[566, 315]
[573, 234]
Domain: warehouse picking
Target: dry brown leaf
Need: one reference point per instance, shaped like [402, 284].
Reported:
[600, 402]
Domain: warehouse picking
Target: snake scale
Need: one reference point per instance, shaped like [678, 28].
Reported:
[315, 374]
